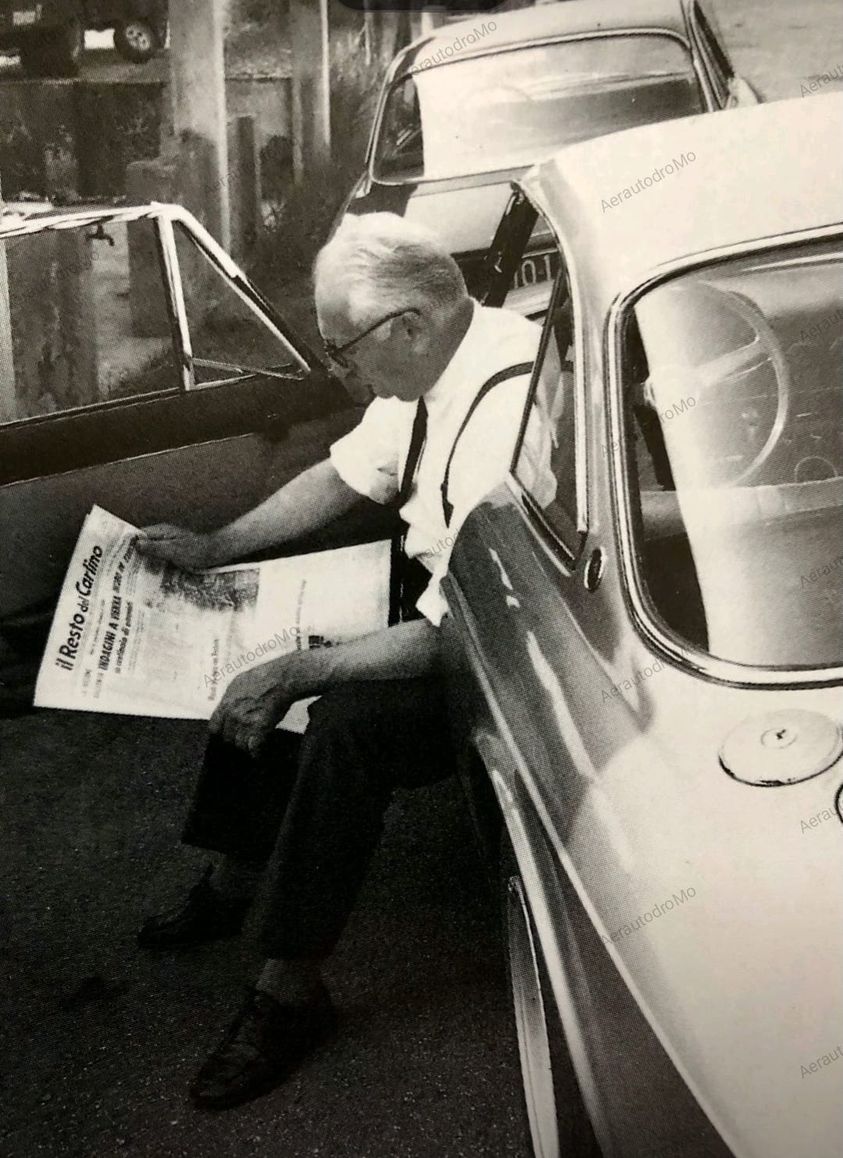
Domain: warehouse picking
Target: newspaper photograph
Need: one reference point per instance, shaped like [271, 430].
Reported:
[139, 636]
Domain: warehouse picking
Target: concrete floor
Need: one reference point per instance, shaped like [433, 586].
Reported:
[99, 1041]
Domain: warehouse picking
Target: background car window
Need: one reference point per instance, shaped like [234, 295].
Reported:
[513, 108]
[229, 339]
[85, 316]
[400, 153]
[545, 461]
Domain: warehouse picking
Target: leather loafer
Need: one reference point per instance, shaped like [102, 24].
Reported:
[205, 916]
[264, 1045]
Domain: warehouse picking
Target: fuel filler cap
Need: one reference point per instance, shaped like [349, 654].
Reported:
[781, 747]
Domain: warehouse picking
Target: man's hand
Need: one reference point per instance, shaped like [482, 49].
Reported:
[185, 548]
[255, 701]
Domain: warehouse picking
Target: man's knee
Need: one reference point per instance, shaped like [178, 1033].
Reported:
[351, 709]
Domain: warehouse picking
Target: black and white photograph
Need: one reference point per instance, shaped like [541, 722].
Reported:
[421, 579]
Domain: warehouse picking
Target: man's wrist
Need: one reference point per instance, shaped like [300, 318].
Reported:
[306, 672]
[220, 547]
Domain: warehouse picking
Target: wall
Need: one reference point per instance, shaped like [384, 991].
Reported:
[77, 137]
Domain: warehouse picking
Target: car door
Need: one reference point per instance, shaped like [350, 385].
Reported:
[537, 633]
[140, 370]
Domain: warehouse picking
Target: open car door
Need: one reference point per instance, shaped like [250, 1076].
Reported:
[140, 370]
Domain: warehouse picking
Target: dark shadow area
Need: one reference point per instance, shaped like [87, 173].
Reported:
[99, 1040]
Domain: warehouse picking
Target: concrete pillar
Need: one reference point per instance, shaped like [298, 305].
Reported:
[197, 85]
[245, 185]
[8, 402]
[311, 105]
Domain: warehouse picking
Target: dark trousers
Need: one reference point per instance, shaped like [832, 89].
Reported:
[313, 806]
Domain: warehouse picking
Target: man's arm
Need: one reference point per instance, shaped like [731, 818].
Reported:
[401, 652]
[307, 503]
[257, 699]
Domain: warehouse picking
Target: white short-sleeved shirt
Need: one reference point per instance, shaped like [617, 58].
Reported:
[370, 459]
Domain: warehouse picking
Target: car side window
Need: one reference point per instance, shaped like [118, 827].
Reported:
[399, 151]
[230, 340]
[546, 456]
[84, 319]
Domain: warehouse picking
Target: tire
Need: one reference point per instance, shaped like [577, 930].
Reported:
[55, 52]
[555, 1118]
[137, 39]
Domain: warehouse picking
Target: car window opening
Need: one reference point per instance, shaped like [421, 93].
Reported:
[733, 422]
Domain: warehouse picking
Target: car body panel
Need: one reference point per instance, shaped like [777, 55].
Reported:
[618, 772]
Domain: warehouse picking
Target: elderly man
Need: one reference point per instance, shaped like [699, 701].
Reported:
[398, 323]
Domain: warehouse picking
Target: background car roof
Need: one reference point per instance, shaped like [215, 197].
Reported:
[564, 18]
[748, 174]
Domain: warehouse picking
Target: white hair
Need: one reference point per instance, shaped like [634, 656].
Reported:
[379, 262]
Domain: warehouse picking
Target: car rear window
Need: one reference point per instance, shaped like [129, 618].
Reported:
[510, 109]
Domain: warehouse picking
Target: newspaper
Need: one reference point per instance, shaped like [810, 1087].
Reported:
[141, 637]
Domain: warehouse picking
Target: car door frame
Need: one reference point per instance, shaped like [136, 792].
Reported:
[189, 412]
[729, 88]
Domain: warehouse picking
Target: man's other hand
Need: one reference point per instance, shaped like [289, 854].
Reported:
[185, 548]
[255, 701]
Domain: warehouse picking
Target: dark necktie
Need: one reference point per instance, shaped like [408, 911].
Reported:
[417, 441]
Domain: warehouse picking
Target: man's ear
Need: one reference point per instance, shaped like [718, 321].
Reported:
[413, 325]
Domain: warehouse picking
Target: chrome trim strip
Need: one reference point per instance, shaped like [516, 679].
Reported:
[242, 287]
[647, 623]
[22, 224]
[530, 1013]
[537, 901]
[174, 289]
[580, 419]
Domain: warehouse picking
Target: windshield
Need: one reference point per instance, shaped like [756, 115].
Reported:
[733, 415]
[513, 108]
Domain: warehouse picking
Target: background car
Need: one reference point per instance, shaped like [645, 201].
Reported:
[50, 37]
[471, 106]
[646, 623]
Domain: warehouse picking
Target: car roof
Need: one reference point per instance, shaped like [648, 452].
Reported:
[495, 31]
[743, 175]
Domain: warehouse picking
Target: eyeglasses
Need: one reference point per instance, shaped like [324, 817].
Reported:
[337, 352]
